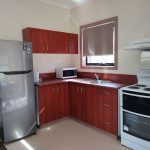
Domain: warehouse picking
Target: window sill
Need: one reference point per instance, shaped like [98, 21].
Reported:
[100, 67]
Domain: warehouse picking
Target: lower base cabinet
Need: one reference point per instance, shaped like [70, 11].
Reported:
[94, 105]
[77, 101]
[53, 102]
[109, 110]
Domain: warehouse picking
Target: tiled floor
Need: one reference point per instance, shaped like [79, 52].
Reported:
[68, 135]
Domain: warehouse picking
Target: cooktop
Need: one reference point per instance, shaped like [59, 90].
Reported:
[141, 88]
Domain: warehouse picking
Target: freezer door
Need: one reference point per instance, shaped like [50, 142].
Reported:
[18, 105]
[15, 56]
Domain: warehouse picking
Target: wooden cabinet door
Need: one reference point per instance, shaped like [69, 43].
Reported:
[93, 114]
[64, 43]
[55, 42]
[73, 43]
[72, 98]
[62, 99]
[51, 103]
[45, 104]
[75, 103]
[77, 97]
[110, 110]
[39, 39]
[54, 112]
[45, 39]
[42, 105]
[34, 36]
[58, 101]
[60, 42]
[83, 101]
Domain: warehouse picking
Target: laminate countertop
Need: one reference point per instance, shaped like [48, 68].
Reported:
[86, 81]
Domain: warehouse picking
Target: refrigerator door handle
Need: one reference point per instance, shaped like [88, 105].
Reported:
[16, 72]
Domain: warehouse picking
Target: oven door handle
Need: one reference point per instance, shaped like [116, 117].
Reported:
[136, 113]
[136, 95]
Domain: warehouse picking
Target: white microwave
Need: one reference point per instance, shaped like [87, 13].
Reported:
[66, 73]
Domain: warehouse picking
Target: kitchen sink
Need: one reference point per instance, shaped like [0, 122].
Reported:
[99, 81]
[87, 80]
[91, 81]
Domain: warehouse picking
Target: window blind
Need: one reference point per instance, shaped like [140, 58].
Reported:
[98, 40]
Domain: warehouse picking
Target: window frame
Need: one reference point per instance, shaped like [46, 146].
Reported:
[83, 59]
[97, 64]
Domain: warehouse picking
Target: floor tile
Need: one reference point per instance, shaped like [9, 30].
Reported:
[68, 134]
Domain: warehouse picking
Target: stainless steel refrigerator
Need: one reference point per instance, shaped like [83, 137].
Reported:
[17, 100]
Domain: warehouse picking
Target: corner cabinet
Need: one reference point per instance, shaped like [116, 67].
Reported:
[97, 106]
[77, 101]
[47, 41]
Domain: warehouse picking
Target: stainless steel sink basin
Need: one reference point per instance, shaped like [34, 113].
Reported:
[87, 80]
[91, 81]
[99, 81]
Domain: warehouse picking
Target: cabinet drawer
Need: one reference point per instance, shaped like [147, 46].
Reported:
[108, 103]
[109, 93]
[107, 115]
[107, 126]
[110, 100]
[109, 120]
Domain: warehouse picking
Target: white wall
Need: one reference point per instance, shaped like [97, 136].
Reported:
[134, 24]
[18, 14]
[48, 63]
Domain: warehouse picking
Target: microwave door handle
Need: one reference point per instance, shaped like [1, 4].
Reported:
[75, 72]
[142, 96]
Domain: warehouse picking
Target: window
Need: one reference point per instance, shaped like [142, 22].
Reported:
[99, 44]
[106, 60]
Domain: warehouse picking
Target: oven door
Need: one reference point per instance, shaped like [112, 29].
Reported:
[136, 124]
[136, 102]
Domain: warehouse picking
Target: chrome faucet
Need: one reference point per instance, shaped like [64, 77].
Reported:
[96, 76]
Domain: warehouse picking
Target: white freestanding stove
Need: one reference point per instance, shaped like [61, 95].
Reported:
[135, 112]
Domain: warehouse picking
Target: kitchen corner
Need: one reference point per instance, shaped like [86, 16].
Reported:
[74, 75]
[50, 89]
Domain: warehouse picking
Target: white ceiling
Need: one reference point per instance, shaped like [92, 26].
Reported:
[64, 3]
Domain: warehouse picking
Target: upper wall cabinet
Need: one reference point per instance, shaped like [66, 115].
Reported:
[46, 41]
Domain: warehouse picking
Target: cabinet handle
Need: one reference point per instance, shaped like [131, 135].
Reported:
[107, 93]
[57, 89]
[71, 46]
[70, 49]
[47, 47]
[66, 49]
[106, 105]
[77, 89]
[81, 90]
[107, 123]
[43, 47]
